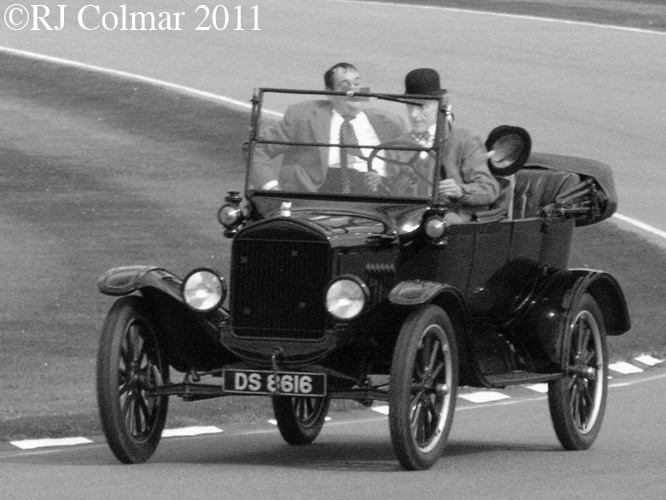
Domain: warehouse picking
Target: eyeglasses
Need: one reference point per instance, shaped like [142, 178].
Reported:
[345, 85]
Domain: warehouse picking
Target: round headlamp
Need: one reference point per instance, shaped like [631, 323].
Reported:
[229, 215]
[346, 297]
[204, 290]
[435, 227]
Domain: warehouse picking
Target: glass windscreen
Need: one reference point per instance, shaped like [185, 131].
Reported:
[359, 144]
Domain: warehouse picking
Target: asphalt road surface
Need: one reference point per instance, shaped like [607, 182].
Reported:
[495, 451]
[579, 89]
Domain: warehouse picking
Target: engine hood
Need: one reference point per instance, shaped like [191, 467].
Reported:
[352, 227]
[348, 224]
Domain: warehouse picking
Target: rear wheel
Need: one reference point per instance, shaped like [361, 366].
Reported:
[129, 365]
[578, 400]
[423, 389]
[300, 419]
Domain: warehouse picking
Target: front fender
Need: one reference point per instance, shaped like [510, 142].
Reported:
[545, 325]
[418, 292]
[415, 293]
[121, 281]
[190, 340]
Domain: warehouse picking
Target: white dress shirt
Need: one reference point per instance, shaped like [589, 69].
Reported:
[365, 134]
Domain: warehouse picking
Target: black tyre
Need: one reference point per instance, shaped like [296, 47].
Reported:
[301, 419]
[578, 400]
[423, 389]
[129, 363]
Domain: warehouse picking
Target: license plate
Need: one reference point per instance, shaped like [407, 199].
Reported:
[267, 382]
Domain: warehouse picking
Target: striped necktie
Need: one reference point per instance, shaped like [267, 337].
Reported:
[347, 138]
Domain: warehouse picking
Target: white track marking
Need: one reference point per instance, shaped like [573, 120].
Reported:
[513, 16]
[191, 431]
[383, 409]
[625, 368]
[542, 388]
[31, 444]
[379, 409]
[641, 225]
[646, 359]
[484, 396]
[132, 76]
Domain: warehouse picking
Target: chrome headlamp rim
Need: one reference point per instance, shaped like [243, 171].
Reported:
[229, 215]
[346, 304]
[435, 227]
[203, 289]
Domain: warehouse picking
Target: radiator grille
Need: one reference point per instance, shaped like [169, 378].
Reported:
[277, 286]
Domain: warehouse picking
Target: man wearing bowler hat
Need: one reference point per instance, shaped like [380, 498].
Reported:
[467, 185]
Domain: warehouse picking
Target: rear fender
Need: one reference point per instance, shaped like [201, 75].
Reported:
[544, 328]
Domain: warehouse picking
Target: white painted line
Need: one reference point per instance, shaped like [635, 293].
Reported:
[484, 396]
[542, 388]
[515, 16]
[641, 225]
[383, 409]
[31, 444]
[646, 359]
[133, 76]
[191, 431]
[625, 368]
[272, 421]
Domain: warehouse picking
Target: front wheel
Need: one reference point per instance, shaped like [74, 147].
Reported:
[423, 389]
[129, 365]
[578, 400]
[300, 419]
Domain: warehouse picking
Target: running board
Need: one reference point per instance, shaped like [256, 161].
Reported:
[515, 378]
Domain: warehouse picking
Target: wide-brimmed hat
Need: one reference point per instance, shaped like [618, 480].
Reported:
[423, 81]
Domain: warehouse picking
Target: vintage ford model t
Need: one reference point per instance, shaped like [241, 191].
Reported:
[372, 295]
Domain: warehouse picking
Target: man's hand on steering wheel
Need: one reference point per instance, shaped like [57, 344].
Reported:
[410, 163]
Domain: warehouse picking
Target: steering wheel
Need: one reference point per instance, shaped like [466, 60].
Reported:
[411, 162]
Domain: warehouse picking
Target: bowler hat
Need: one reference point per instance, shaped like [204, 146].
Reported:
[423, 81]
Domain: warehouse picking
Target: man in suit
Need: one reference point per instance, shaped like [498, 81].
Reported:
[322, 169]
[467, 186]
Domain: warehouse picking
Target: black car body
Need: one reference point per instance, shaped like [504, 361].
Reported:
[374, 297]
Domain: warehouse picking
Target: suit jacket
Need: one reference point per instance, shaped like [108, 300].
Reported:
[305, 168]
[464, 159]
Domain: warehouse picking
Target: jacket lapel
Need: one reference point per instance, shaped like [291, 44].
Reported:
[382, 127]
[321, 130]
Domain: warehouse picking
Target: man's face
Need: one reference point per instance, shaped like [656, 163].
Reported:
[423, 117]
[344, 80]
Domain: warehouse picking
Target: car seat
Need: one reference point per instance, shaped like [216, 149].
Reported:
[537, 187]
